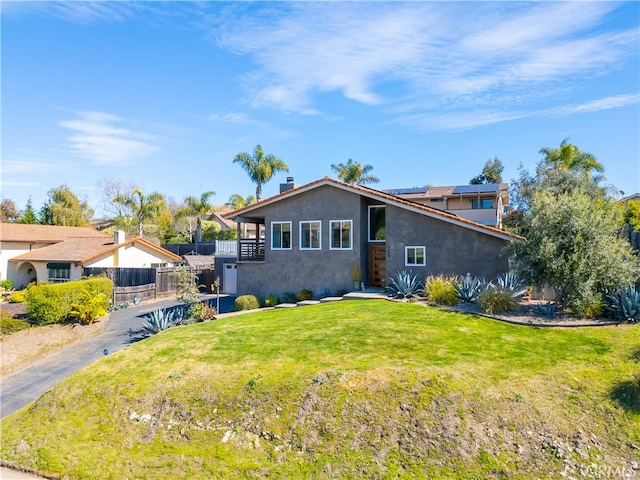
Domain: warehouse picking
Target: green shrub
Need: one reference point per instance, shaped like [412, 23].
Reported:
[588, 307]
[495, 300]
[271, 300]
[441, 290]
[246, 302]
[304, 294]
[9, 325]
[93, 304]
[289, 297]
[17, 297]
[6, 284]
[202, 311]
[53, 302]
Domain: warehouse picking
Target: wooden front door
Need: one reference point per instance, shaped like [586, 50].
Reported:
[377, 265]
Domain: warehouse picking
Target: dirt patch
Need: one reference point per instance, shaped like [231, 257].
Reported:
[25, 347]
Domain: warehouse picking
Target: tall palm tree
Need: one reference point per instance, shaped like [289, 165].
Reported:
[570, 157]
[260, 167]
[354, 173]
[237, 201]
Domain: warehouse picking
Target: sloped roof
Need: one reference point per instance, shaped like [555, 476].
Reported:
[195, 260]
[19, 232]
[82, 250]
[219, 217]
[449, 191]
[383, 197]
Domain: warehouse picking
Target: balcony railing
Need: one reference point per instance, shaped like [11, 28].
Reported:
[251, 251]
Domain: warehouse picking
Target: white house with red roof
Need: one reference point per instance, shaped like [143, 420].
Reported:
[35, 253]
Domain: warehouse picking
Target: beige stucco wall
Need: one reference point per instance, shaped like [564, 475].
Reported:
[128, 256]
[9, 250]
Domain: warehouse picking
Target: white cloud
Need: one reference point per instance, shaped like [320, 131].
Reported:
[435, 53]
[236, 118]
[597, 105]
[97, 139]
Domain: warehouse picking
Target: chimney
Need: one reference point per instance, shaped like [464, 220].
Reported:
[118, 237]
[290, 185]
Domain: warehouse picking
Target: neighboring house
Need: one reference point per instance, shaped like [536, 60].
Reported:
[480, 203]
[317, 234]
[34, 253]
[246, 231]
[631, 198]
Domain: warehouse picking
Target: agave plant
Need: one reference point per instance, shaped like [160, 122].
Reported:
[624, 304]
[511, 283]
[405, 285]
[469, 288]
[548, 309]
[160, 320]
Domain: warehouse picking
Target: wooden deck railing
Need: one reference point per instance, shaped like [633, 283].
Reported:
[250, 251]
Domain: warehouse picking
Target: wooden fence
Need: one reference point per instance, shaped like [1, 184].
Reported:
[148, 283]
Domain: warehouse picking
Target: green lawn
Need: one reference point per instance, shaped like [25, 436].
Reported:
[355, 389]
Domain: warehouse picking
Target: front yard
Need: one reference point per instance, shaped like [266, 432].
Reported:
[352, 389]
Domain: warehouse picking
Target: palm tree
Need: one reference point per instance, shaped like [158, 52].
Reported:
[354, 173]
[570, 157]
[143, 207]
[197, 207]
[260, 167]
[237, 201]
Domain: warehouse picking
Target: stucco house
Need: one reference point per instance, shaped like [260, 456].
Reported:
[315, 235]
[33, 253]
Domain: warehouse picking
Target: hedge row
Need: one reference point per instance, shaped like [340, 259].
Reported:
[52, 302]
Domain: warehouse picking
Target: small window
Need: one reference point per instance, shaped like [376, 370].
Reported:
[486, 203]
[59, 272]
[341, 238]
[281, 235]
[437, 199]
[310, 235]
[415, 256]
[377, 223]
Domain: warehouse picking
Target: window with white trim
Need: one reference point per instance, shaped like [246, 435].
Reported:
[415, 256]
[281, 235]
[341, 235]
[310, 235]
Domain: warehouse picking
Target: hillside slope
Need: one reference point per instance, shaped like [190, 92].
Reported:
[357, 389]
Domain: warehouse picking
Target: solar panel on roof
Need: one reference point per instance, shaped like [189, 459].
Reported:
[482, 188]
[408, 191]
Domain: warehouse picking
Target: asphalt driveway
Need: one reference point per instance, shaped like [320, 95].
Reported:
[123, 328]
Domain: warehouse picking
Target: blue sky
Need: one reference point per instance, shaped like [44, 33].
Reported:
[163, 95]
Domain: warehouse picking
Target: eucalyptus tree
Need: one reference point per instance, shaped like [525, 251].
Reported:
[355, 173]
[491, 173]
[260, 167]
